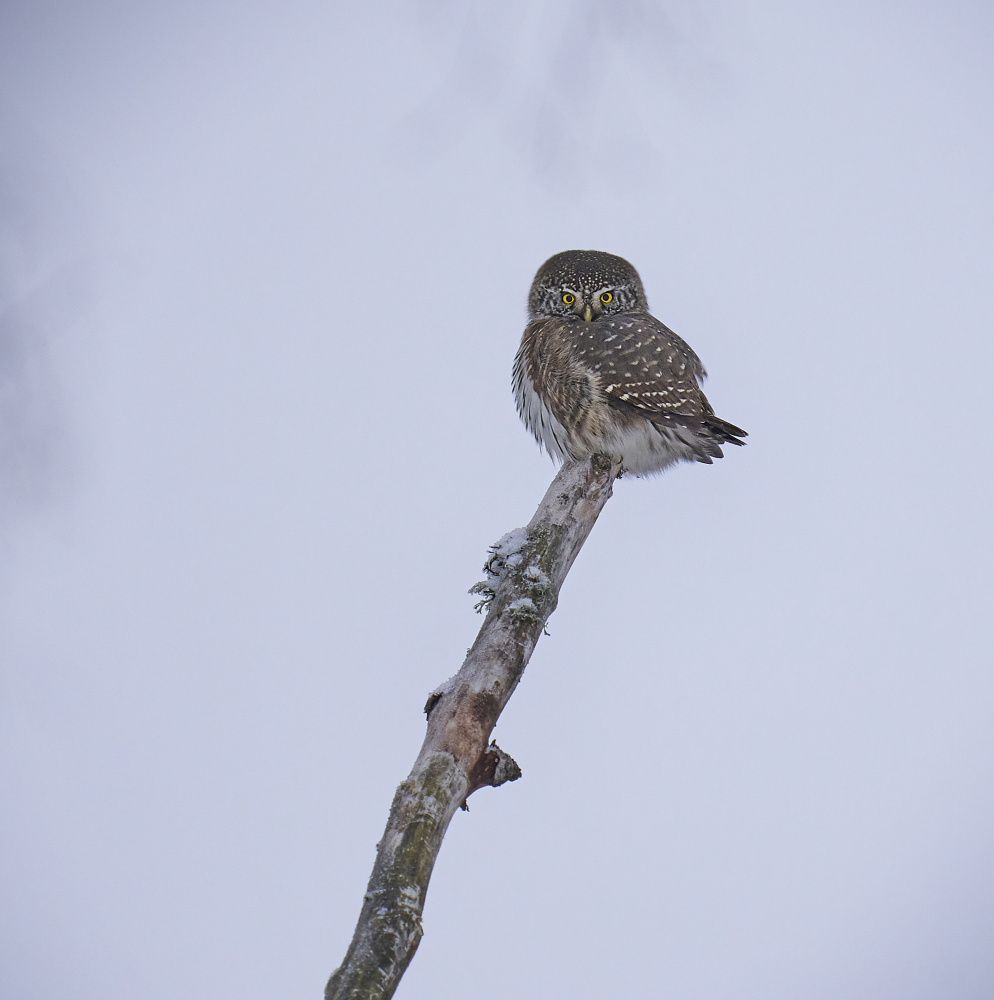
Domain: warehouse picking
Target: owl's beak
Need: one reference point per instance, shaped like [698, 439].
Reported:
[588, 313]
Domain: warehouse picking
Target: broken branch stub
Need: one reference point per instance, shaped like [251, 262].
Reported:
[525, 572]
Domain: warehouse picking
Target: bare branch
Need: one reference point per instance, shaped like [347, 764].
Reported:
[525, 572]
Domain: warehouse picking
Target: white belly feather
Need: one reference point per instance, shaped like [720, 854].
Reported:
[643, 448]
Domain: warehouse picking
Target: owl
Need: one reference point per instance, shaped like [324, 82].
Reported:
[596, 373]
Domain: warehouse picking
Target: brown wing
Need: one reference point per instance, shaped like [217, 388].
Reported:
[644, 366]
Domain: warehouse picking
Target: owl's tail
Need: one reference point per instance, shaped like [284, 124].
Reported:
[724, 431]
[715, 433]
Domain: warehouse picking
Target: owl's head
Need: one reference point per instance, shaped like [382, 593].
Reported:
[586, 284]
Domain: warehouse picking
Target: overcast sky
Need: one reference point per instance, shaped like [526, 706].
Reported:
[264, 274]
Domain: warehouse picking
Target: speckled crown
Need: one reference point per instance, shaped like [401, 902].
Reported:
[586, 269]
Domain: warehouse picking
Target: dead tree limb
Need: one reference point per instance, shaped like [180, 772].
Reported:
[525, 572]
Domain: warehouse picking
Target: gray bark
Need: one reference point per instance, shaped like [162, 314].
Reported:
[525, 572]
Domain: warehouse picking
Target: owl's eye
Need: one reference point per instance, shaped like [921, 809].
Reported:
[606, 297]
[569, 299]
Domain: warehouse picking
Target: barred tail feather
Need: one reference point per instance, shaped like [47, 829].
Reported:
[725, 432]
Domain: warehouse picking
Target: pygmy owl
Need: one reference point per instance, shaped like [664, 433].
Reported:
[596, 373]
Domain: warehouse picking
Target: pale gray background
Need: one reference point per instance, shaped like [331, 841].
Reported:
[264, 269]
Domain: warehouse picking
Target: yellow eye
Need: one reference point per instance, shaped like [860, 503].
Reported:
[606, 297]
[569, 299]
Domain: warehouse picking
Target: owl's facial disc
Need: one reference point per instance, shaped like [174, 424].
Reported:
[584, 302]
[594, 303]
[605, 282]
